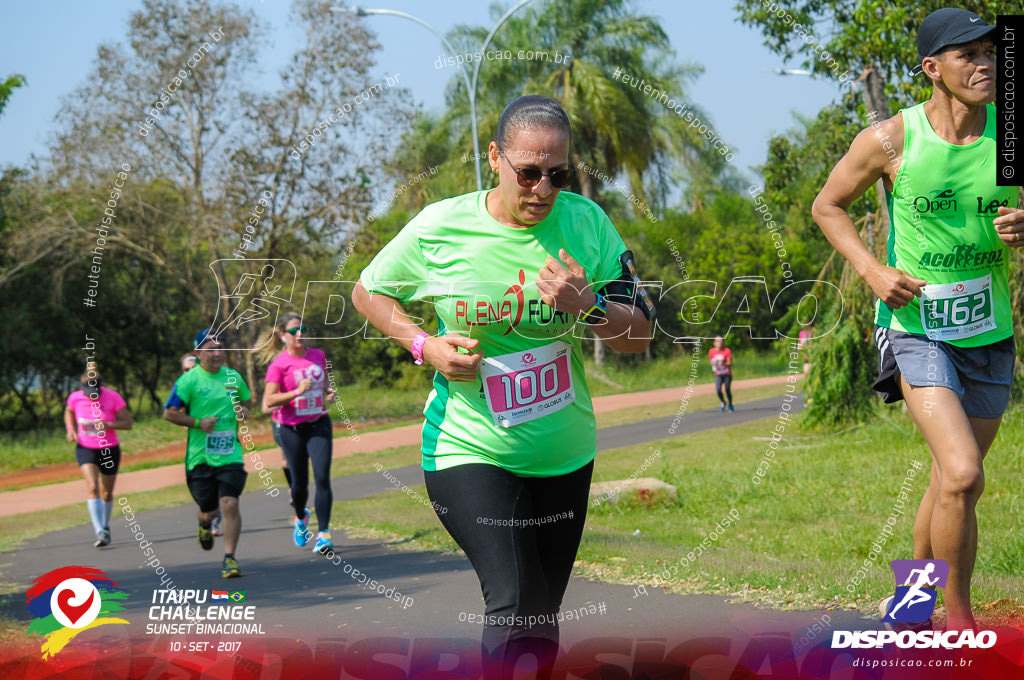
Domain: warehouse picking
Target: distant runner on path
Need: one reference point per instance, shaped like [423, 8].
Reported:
[721, 365]
[91, 418]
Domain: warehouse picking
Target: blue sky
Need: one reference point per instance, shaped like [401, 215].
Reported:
[53, 43]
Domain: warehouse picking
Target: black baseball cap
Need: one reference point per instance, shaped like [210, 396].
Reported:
[945, 27]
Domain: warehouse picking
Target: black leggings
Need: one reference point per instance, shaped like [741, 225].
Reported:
[521, 534]
[726, 381]
[304, 444]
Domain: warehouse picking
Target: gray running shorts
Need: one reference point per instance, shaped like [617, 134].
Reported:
[980, 375]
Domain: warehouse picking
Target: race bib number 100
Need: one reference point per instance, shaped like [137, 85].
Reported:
[524, 386]
[954, 311]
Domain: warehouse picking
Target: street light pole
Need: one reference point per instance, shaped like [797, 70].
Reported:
[472, 88]
[470, 85]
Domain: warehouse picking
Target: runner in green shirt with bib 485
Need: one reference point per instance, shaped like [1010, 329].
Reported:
[215, 398]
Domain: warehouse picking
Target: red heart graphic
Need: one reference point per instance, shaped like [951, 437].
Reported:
[71, 611]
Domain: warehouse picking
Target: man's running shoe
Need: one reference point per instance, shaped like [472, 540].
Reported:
[731, 409]
[215, 526]
[230, 568]
[900, 626]
[323, 542]
[722, 407]
[205, 536]
[102, 538]
[302, 535]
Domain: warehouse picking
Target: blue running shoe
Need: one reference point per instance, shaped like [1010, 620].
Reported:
[323, 543]
[302, 534]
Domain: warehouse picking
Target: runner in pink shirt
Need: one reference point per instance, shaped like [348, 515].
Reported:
[92, 415]
[297, 391]
[721, 366]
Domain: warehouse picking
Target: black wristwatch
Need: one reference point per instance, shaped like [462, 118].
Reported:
[597, 312]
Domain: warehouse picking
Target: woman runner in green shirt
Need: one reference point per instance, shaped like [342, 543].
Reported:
[509, 436]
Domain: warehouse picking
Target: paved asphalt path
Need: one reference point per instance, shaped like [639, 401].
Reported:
[299, 595]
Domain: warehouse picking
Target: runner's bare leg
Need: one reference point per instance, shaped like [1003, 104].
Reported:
[231, 523]
[957, 482]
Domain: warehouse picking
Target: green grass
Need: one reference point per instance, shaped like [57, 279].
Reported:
[37, 448]
[373, 408]
[697, 403]
[636, 375]
[802, 534]
[28, 450]
[18, 528]
[367, 404]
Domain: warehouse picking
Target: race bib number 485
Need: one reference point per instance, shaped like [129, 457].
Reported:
[220, 443]
[954, 311]
[524, 386]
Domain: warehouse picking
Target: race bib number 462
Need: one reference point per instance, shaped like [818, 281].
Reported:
[954, 311]
[523, 386]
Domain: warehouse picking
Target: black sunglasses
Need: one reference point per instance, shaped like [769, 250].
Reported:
[531, 177]
[295, 330]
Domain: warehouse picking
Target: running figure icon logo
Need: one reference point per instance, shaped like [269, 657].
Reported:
[917, 584]
[250, 292]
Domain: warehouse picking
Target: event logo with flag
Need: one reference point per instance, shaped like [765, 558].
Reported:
[218, 595]
[237, 596]
[66, 601]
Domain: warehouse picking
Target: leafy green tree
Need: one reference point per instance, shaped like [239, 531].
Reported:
[7, 88]
[858, 35]
[174, 103]
[595, 50]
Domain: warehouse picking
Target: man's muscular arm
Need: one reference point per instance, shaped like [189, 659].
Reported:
[864, 164]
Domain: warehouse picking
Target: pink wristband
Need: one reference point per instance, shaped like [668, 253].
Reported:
[417, 347]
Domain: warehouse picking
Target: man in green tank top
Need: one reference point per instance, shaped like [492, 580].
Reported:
[943, 320]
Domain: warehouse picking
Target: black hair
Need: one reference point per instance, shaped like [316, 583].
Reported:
[91, 383]
[531, 110]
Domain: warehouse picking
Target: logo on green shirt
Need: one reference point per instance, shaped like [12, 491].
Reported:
[992, 207]
[483, 313]
[942, 205]
[962, 255]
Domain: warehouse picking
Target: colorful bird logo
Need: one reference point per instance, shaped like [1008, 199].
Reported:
[66, 601]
